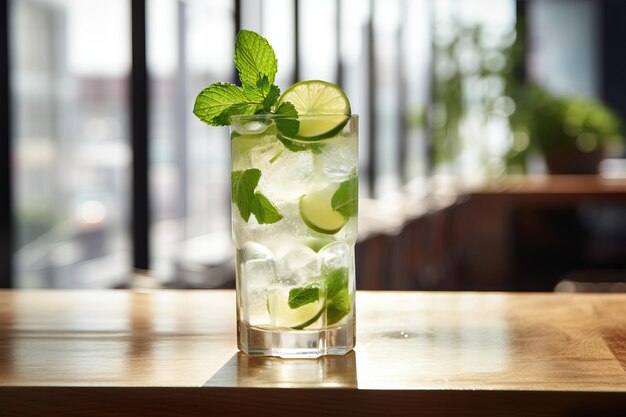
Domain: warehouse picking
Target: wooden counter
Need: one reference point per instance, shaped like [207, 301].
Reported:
[71, 353]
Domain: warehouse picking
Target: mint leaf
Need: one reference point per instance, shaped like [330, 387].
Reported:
[223, 119]
[338, 307]
[243, 184]
[346, 199]
[289, 124]
[254, 57]
[288, 128]
[336, 280]
[272, 96]
[299, 297]
[253, 94]
[258, 91]
[338, 299]
[218, 98]
[264, 210]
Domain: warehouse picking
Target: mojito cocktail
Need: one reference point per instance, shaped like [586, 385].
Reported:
[295, 260]
[294, 193]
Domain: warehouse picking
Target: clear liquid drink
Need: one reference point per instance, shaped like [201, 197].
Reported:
[294, 224]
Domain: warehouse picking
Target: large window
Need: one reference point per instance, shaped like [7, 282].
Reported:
[430, 79]
[189, 46]
[69, 63]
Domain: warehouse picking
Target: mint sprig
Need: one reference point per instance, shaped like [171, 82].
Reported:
[338, 301]
[256, 64]
[249, 201]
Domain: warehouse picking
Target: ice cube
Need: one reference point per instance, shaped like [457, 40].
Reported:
[336, 255]
[257, 272]
[253, 251]
[288, 175]
[253, 151]
[339, 157]
[297, 265]
[250, 127]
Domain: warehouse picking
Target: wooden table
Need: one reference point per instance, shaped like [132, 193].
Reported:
[71, 353]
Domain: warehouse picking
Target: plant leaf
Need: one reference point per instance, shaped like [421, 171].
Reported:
[301, 296]
[336, 280]
[287, 124]
[338, 307]
[243, 184]
[346, 199]
[338, 299]
[217, 99]
[264, 210]
[272, 96]
[254, 57]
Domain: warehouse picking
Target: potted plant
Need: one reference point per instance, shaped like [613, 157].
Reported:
[571, 133]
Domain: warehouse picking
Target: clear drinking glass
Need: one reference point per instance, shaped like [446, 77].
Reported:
[294, 223]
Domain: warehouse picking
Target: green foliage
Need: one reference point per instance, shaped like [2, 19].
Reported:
[338, 301]
[301, 296]
[548, 124]
[257, 65]
[461, 62]
[243, 185]
[346, 199]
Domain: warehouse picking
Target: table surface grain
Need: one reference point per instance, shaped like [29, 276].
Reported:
[413, 349]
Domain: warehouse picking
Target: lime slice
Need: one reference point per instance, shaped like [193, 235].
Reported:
[284, 316]
[314, 98]
[317, 212]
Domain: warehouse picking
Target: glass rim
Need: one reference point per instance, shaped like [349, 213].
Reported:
[252, 117]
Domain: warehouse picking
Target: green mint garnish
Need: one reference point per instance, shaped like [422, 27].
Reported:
[290, 125]
[299, 297]
[255, 58]
[257, 65]
[216, 103]
[338, 300]
[272, 95]
[243, 185]
[345, 199]
[264, 210]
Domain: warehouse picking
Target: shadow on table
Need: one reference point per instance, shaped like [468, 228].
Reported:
[242, 370]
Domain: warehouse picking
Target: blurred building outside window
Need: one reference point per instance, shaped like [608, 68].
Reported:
[432, 78]
[70, 64]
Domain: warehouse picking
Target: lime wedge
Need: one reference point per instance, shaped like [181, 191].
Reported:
[317, 212]
[312, 99]
[284, 316]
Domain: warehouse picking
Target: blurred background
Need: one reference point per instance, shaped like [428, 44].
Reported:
[491, 138]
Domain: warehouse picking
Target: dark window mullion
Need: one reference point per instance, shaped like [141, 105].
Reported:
[237, 17]
[296, 42]
[402, 98]
[139, 138]
[6, 207]
[339, 67]
[371, 103]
